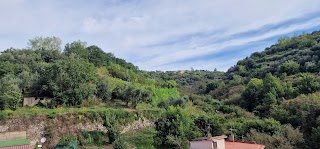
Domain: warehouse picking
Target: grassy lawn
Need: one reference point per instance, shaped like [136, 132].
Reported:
[14, 142]
[142, 139]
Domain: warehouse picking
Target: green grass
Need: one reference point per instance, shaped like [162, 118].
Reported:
[14, 142]
[38, 111]
[142, 139]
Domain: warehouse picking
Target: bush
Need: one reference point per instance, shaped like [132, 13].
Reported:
[119, 143]
[67, 142]
[96, 138]
[113, 134]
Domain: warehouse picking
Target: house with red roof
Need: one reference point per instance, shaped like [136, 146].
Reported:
[219, 142]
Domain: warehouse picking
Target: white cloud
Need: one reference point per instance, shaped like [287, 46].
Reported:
[154, 34]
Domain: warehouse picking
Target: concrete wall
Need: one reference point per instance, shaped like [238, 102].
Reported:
[18, 135]
[201, 145]
[220, 144]
[32, 101]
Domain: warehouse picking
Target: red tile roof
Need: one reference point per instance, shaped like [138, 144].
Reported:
[17, 147]
[242, 145]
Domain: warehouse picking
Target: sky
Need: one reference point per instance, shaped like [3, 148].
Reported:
[161, 34]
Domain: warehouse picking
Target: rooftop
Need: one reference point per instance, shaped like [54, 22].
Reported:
[242, 145]
[210, 138]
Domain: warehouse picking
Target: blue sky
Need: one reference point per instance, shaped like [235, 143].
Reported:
[161, 34]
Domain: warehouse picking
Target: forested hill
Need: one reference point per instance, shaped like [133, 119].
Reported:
[282, 82]
[271, 97]
[289, 55]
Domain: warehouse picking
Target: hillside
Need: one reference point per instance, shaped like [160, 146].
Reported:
[271, 97]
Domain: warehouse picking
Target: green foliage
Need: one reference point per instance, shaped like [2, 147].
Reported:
[268, 84]
[96, 138]
[67, 142]
[77, 48]
[261, 95]
[10, 94]
[290, 55]
[308, 84]
[289, 67]
[6, 68]
[313, 140]
[288, 138]
[47, 43]
[175, 128]
[104, 89]
[252, 94]
[70, 81]
[171, 101]
[119, 144]
[208, 124]
[113, 134]
[142, 139]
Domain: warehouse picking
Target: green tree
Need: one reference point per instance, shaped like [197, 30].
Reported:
[313, 140]
[119, 143]
[175, 128]
[252, 94]
[308, 84]
[10, 93]
[70, 81]
[104, 89]
[6, 68]
[288, 138]
[47, 43]
[78, 48]
[289, 67]
[97, 56]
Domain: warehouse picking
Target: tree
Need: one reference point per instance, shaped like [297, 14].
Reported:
[175, 128]
[104, 89]
[288, 138]
[207, 124]
[252, 94]
[47, 43]
[10, 93]
[289, 67]
[6, 68]
[96, 56]
[70, 81]
[313, 141]
[119, 143]
[78, 48]
[308, 84]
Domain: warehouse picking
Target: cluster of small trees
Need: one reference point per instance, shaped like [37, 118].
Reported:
[69, 76]
[261, 95]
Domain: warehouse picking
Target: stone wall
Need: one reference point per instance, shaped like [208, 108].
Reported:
[16, 135]
[36, 127]
[136, 125]
[62, 125]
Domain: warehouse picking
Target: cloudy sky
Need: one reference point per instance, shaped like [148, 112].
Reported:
[161, 34]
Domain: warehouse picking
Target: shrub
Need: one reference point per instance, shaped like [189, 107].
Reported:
[119, 143]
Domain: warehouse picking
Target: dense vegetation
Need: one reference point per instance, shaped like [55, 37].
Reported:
[271, 97]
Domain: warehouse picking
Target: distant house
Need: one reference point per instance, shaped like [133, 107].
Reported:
[32, 101]
[14, 140]
[219, 142]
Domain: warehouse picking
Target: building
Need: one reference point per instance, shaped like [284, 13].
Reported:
[219, 142]
[14, 140]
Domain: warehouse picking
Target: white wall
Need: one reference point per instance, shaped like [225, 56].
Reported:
[201, 145]
[220, 144]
